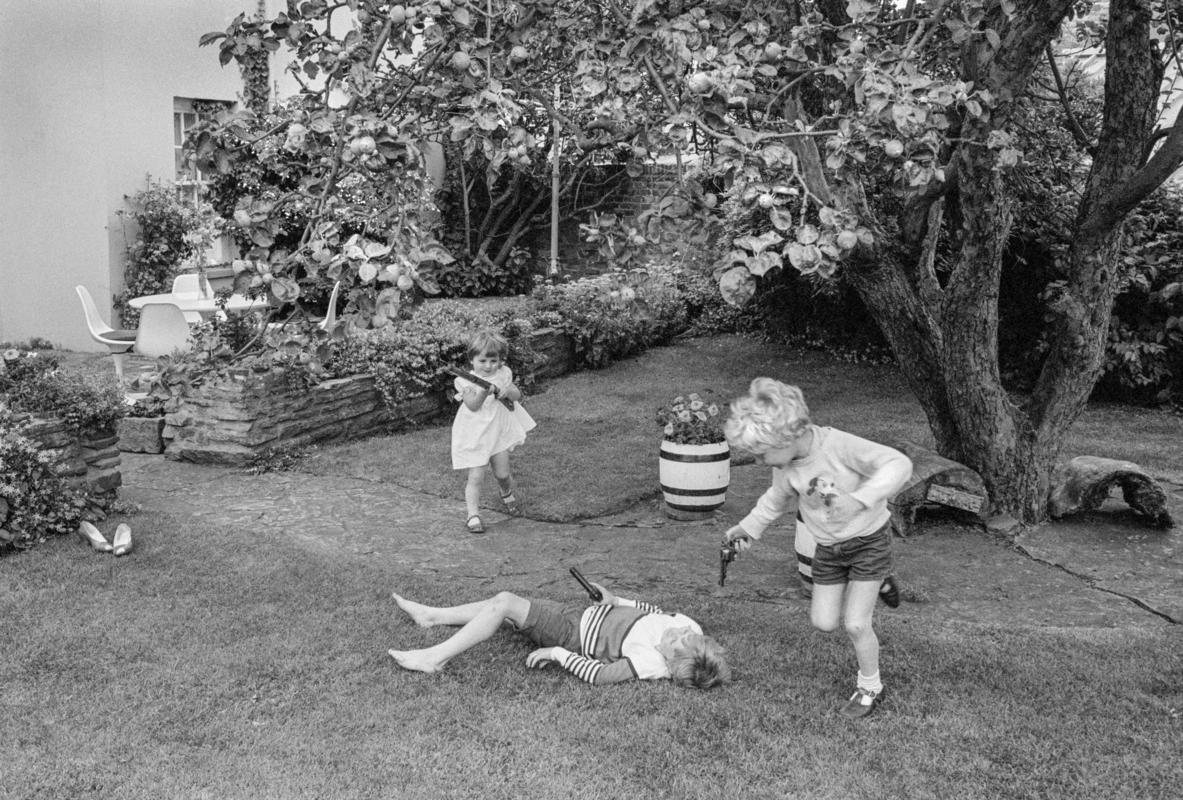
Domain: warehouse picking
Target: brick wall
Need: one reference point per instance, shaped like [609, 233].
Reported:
[580, 258]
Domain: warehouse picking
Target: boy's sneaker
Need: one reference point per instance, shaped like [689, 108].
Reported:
[861, 703]
[889, 593]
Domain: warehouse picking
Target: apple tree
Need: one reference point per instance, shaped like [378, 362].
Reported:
[881, 139]
[876, 138]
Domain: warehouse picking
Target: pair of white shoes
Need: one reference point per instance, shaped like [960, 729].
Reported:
[120, 543]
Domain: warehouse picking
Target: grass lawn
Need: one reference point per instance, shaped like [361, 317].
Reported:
[595, 447]
[234, 663]
[231, 666]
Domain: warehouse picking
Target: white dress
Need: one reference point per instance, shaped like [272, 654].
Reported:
[491, 429]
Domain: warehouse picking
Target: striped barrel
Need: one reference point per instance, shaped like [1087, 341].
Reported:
[694, 478]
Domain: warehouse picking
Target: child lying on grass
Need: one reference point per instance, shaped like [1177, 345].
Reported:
[612, 641]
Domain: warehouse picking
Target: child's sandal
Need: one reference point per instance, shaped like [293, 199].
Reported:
[475, 525]
[510, 502]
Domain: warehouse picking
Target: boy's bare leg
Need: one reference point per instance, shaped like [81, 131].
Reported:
[430, 616]
[861, 597]
[825, 608]
[482, 621]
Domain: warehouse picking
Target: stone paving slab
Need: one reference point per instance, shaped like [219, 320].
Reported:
[950, 571]
[1111, 549]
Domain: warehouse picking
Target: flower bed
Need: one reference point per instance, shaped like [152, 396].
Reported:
[237, 419]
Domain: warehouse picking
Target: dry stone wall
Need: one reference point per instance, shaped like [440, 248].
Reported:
[90, 466]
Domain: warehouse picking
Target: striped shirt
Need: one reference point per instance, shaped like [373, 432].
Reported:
[619, 642]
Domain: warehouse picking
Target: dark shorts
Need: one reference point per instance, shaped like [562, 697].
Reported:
[863, 558]
[551, 624]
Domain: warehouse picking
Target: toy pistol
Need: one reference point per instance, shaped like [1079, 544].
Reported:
[592, 591]
[484, 384]
[727, 554]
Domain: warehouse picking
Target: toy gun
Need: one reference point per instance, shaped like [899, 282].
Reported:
[484, 384]
[727, 554]
[592, 591]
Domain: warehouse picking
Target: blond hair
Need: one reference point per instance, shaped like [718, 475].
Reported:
[772, 415]
[699, 663]
[487, 341]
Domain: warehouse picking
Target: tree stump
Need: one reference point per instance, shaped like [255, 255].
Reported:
[936, 482]
[1084, 483]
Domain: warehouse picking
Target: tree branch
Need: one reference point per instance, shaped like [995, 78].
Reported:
[1078, 133]
[1110, 210]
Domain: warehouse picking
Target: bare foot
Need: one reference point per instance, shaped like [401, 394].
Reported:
[417, 611]
[417, 660]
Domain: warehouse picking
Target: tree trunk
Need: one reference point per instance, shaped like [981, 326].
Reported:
[946, 337]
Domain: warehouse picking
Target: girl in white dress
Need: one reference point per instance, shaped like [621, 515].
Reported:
[486, 429]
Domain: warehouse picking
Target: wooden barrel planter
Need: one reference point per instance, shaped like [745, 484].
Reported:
[694, 478]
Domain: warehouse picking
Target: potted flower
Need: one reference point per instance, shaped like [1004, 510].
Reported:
[695, 462]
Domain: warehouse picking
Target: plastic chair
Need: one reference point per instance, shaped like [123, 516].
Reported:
[163, 331]
[191, 284]
[330, 319]
[119, 342]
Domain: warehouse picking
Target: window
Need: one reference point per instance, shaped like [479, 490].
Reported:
[189, 180]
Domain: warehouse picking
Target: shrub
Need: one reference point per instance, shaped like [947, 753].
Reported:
[1144, 356]
[34, 501]
[706, 310]
[480, 277]
[36, 384]
[408, 358]
[617, 314]
[169, 233]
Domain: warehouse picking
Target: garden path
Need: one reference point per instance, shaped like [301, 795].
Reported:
[1099, 570]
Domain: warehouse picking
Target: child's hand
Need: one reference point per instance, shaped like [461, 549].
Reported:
[607, 598]
[738, 538]
[541, 657]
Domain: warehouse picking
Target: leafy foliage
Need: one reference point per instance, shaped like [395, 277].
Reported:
[36, 384]
[168, 233]
[483, 278]
[1144, 356]
[861, 135]
[408, 359]
[34, 501]
[617, 314]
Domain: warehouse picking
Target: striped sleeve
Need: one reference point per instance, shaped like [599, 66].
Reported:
[597, 672]
[648, 608]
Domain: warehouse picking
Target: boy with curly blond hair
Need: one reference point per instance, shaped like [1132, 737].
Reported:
[840, 484]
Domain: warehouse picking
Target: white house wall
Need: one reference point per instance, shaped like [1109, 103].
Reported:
[86, 114]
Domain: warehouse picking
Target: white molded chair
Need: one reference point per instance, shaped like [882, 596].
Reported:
[190, 284]
[163, 330]
[119, 342]
[330, 319]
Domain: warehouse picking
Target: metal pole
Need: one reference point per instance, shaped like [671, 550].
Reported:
[554, 194]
